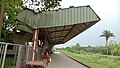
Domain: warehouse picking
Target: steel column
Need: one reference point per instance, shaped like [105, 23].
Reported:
[2, 66]
[35, 41]
[18, 57]
[27, 52]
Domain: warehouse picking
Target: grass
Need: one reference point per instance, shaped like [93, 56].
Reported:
[96, 60]
[9, 62]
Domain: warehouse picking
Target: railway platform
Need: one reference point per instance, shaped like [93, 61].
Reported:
[61, 61]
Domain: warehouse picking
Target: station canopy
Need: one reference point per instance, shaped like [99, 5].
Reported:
[60, 25]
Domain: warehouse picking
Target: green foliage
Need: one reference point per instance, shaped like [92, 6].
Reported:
[6, 34]
[77, 47]
[71, 49]
[107, 34]
[11, 10]
[41, 5]
[0, 4]
[9, 62]
[100, 49]
[96, 57]
[50, 4]
[114, 48]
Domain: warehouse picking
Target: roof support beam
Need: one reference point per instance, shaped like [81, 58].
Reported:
[62, 31]
[57, 37]
[78, 28]
[68, 32]
[86, 24]
[59, 30]
[48, 34]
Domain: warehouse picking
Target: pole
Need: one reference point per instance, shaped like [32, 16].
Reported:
[44, 43]
[2, 14]
[4, 56]
[35, 39]
[19, 57]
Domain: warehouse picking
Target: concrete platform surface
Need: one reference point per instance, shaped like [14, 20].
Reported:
[61, 61]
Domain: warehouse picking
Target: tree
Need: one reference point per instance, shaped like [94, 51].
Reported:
[107, 34]
[14, 6]
[77, 47]
[2, 9]
[9, 19]
[114, 48]
[41, 5]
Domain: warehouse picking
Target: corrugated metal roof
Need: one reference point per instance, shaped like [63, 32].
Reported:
[24, 28]
[60, 17]
[59, 25]
[62, 34]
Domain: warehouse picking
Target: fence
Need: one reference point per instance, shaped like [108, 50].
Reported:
[20, 55]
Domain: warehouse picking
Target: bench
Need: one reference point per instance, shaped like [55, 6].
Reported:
[36, 64]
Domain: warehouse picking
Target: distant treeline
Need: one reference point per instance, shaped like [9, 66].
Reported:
[112, 48]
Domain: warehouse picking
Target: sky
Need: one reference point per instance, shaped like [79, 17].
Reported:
[108, 11]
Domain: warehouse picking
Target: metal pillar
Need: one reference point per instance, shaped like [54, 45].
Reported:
[34, 45]
[18, 57]
[2, 66]
[1, 52]
[44, 43]
[27, 52]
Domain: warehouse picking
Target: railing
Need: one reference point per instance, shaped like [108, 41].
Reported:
[20, 54]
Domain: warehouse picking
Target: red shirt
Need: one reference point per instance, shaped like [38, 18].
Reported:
[46, 57]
